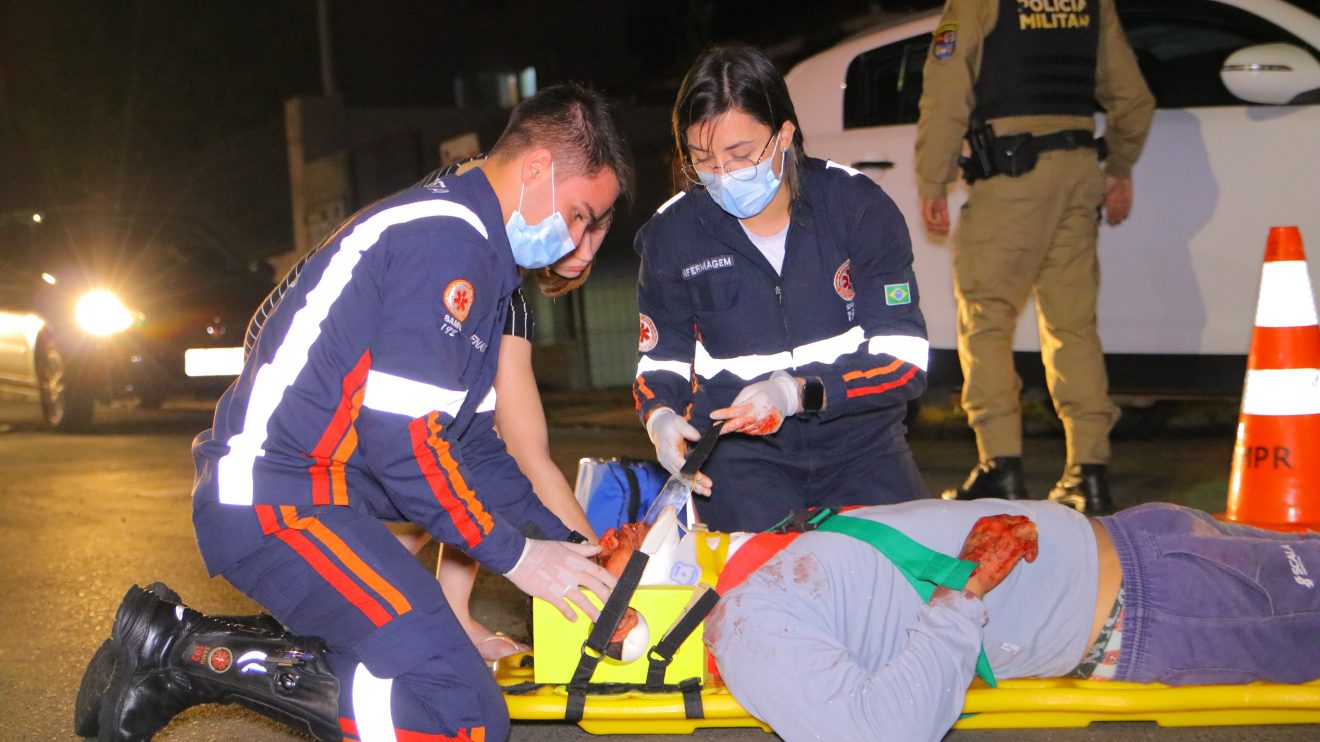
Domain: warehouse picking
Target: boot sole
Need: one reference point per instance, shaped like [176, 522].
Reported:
[96, 681]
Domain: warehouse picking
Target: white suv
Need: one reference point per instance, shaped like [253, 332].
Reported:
[1234, 149]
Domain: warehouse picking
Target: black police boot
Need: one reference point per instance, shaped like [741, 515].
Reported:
[999, 477]
[171, 657]
[1085, 488]
[100, 670]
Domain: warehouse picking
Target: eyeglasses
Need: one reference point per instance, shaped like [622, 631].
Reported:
[738, 168]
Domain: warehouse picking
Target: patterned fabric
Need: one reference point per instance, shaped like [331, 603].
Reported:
[1101, 659]
[521, 322]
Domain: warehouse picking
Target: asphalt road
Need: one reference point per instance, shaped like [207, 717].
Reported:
[88, 515]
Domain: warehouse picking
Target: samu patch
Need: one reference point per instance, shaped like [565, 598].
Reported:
[647, 336]
[459, 296]
[944, 41]
[843, 285]
[897, 293]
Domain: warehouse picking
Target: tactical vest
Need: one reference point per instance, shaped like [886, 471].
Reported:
[1040, 59]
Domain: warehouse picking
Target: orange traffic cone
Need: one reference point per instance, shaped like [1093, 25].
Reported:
[1275, 481]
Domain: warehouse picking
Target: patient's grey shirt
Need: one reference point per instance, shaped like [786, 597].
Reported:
[828, 641]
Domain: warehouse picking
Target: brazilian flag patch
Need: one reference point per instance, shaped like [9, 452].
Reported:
[897, 293]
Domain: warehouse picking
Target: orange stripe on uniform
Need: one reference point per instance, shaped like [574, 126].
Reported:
[338, 482]
[345, 554]
[878, 388]
[641, 384]
[328, 449]
[855, 375]
[477, 734]
[352, 592]
[266, 516]
[425, 456]
[441, 448]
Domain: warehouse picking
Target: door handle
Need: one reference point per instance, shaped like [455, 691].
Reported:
[873, 164]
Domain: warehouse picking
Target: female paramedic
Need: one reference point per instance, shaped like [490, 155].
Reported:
[776, 292]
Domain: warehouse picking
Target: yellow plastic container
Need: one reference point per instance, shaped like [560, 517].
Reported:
[559, 643]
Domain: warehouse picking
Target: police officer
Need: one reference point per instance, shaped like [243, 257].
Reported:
[362, 400]
[1022, 79]
[776, 293]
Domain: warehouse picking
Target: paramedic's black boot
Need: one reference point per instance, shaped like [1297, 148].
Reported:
[100, 670]
[1085, 488]
[999, 477]
[172, 657]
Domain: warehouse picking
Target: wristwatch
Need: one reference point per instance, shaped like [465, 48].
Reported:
[813, 394]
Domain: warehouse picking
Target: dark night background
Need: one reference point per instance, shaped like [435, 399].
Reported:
[177, 107]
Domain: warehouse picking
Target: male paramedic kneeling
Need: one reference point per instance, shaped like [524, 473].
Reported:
[1156, 593]
[359, 402]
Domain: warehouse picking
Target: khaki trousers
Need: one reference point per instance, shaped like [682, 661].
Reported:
[1035, 233]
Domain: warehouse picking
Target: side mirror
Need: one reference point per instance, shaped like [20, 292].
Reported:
[1274, 74]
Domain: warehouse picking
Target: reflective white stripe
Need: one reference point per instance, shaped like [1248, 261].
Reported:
[390, 393]
[487, 402]
[234, 470]
[830, 349]
[672, 200]
[1290, 391]
[749, 367]
[1285, 295]
[371, 706]
[744, 367]
[913, 350]
[646, 365]
[845, 168]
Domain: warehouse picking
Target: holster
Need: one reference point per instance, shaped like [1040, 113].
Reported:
[1018, 154]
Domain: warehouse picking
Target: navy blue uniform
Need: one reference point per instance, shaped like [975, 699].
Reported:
[715, 316]
[365, 397]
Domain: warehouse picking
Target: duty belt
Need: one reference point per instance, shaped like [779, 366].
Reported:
[1070, 139]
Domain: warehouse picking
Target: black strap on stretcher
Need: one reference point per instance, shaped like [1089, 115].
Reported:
[659, 656]
[662, 653]
[593, 649]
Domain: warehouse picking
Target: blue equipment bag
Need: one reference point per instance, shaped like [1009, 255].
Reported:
[617, 491]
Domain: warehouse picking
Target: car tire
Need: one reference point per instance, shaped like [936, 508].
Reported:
[63, 405]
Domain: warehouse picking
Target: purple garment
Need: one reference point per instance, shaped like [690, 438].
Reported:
[1211, 603]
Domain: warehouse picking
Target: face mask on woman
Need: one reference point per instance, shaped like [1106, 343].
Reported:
[745, 193]
[538, 245]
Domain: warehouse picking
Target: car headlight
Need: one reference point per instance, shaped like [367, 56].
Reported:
[101, 313]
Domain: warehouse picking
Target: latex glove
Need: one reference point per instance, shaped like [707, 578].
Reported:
[997, 542]
[556, 572]
[760, 408]
[670, 434]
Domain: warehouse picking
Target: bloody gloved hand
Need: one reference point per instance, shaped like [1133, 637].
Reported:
[760, 408]
[996, 543]
[554, 571]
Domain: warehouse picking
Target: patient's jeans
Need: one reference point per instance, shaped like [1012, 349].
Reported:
[1211, 602]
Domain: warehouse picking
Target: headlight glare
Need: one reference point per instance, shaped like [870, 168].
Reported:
[101, 313]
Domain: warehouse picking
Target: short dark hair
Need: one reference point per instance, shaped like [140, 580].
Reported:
[737, 76]
[578, 126]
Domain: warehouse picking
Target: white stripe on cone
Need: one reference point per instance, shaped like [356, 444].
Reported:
[1284, 391]
[1285, 295]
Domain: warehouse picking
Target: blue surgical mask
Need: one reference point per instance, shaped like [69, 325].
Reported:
[744, 196]
[538, 245]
